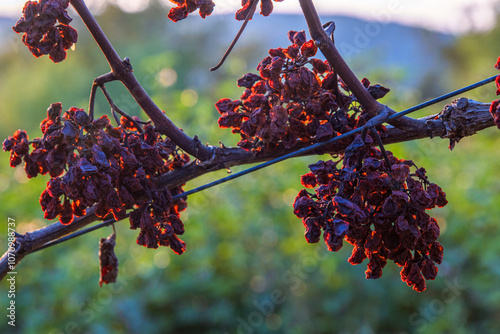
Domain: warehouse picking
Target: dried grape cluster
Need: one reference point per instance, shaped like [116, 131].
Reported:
[92, 163]
[372, 200]
[378, 206]
[288, 102]
[184, 7]
[46, 28]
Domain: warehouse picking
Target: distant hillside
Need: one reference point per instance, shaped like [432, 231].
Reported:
[412, 53]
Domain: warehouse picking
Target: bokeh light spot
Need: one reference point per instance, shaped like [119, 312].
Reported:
[161, 259]
[167, 77]
[189, 98]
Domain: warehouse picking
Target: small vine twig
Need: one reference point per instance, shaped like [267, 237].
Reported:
[115, 109]
[381, 146]
[99, 81]
[250, 13]
[325, 44]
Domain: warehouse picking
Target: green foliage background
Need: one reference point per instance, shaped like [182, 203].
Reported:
[248, 268]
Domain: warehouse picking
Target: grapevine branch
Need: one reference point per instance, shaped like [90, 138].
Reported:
[98, 82]
[463, 117]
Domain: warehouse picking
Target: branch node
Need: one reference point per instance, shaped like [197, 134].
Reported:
[430, 127]
[123, 70]
[457, 117]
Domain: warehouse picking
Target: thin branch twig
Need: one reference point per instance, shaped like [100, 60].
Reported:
[382, 148]
[251, 11]
[115, 108]
[99, 81]
[79, 233]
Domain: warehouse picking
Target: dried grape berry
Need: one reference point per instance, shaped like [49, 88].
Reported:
[113, 169]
